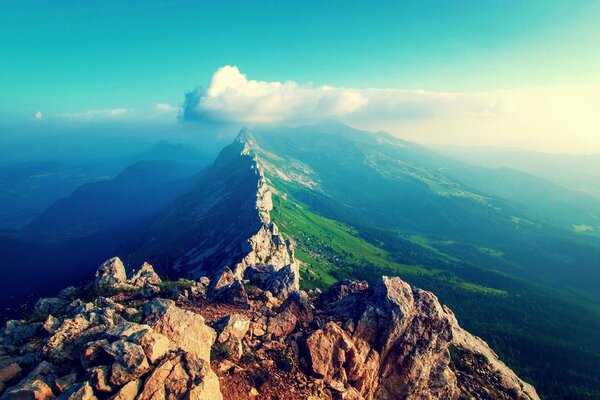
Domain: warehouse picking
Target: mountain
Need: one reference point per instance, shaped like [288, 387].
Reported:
[137, 193]
[360, 205]
[577, 172]
[28, 188]
[224, 221]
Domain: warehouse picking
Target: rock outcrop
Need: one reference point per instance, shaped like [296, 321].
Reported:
[354, 341]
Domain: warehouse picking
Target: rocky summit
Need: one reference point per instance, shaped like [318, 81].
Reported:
[139, 337]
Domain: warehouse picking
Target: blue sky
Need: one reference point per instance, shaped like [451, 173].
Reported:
[62, 57]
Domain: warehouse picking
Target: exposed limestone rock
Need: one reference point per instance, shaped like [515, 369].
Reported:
[401, 347]
[154, 344]
[111, 274]
[15, 333]
[226, 287]
[129, 391]
[9, 373]
[186, 330]
[81, 391]
[179, 375]
[145, 276]
[130, 362]
[64, 382]
[51, 305]
[232, 330]
[100, 379]
[355, 341]
[35, 385]
[279, 282]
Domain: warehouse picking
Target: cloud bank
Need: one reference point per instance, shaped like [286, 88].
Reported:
[232, 97]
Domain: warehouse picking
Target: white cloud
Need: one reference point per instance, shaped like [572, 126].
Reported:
[89, 115]
[547, 119]
[232, 97]
[38, 116]
[164, 108]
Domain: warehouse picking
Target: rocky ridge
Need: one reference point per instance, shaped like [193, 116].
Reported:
[139, 337]
[223, 227]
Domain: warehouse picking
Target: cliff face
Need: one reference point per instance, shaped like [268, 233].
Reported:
[140, 338]
[224, 222]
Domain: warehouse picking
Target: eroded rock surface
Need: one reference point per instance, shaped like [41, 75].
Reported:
[355, 341]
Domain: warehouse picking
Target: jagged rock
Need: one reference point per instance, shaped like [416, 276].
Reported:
[280, 282]
[154, 344]
[51, 324]
[400, 347]
[17, 332]
[69, 293]
[145, 276]
[100, 379]
[80, 391]
[74, 332]
[335, 357]
[179, 375]
[130, 362]
[282, 324]
[125, 329]
[111, 274]
[49, 305]
[232, 330]
[8, 373]
[35, 385]
[184, 329]
[227, 287]
[32, 389]
[65, 382]
[129, 391]
[340, 290]
[94, 353]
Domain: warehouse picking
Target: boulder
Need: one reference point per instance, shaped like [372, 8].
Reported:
[226, 287]
[65, 382]
[335, 357]
[49, 305]
[111, 274]
[231, 330]
[182, 375]
[79, 391]
[99, 378]
[130, 362]
[35, 385]
[155, 345]
[16, 332]
[9, 373]
[185, 330]
[144, 276]
[129, 391]
[280, 282]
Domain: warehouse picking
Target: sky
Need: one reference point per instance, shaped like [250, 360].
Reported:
[522, 74]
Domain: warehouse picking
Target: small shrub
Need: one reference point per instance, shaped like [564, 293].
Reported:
[176, 285]
[284, 361]
[220, 351]
[248, 357]
[258, 378]
[252, 290]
